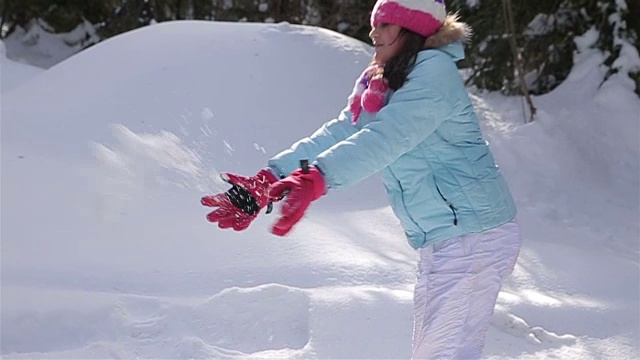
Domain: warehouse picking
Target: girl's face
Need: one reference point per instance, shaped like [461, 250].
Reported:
[387, 41]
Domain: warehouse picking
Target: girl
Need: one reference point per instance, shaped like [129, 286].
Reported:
[410, 118]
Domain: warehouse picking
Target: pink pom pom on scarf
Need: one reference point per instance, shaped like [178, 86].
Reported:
[368, 93]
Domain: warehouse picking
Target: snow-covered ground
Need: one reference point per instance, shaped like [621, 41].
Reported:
[106, 252]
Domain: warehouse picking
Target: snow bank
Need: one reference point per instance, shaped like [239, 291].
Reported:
[106, 251]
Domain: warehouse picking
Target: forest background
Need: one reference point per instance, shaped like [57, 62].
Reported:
[518, 47]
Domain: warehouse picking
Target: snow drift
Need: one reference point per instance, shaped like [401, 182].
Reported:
[106, 251]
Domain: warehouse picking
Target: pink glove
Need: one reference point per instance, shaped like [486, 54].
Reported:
[241, 204]
[300, 188]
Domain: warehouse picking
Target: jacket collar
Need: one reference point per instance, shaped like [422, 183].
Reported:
[451, 31]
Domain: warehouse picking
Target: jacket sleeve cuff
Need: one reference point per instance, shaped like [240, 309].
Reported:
[324, 175]
[275, 171]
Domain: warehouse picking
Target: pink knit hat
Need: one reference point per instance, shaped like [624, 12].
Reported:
[421, 16]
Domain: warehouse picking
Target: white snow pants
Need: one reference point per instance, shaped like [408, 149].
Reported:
[458, 283]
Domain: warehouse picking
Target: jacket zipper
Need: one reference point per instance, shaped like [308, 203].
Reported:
[453, 209]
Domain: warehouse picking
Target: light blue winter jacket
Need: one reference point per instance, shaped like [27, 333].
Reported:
[439, 173]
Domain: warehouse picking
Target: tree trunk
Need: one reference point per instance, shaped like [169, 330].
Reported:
[517, 61]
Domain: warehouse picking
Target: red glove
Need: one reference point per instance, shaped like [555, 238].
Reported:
[241, 204]
[300, 188]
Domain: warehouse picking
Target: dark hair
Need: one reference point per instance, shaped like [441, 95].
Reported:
[398, 67]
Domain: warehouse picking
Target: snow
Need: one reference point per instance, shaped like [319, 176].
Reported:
[541, 24]
[40, 47]
[12, 73]
[106, 252]
[473, 3]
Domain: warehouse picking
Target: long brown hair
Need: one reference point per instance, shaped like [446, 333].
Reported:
[398, 67]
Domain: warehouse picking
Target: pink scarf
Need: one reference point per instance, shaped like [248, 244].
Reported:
[368, 93]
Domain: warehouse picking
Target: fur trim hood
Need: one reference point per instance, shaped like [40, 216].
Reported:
[451, 31]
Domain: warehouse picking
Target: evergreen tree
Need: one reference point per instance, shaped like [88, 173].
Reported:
[544, 35]
[350, 17]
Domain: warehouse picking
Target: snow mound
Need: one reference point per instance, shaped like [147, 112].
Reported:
[181, 85]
